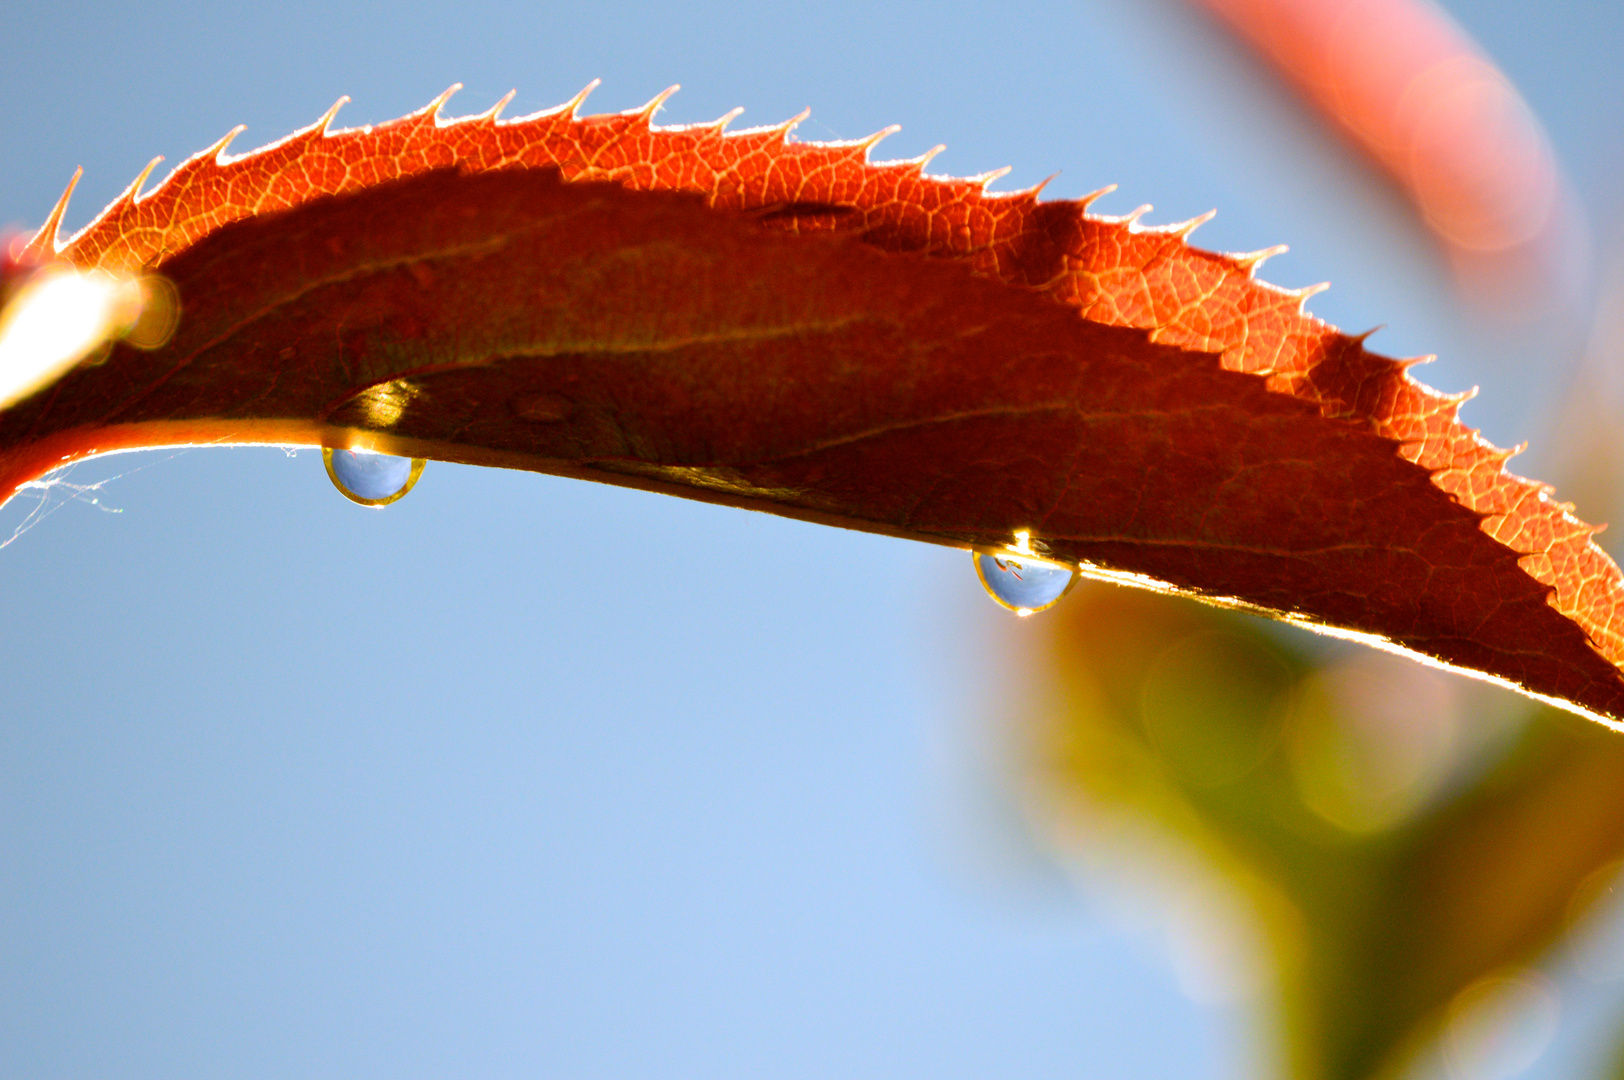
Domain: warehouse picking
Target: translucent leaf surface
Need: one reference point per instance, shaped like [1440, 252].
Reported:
[787, 326]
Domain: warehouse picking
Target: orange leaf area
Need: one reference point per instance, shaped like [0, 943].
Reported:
[787, 326]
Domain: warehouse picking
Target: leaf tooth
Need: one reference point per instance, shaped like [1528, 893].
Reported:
[655, 103]
[924, 159]
[1027, 196]
[1408, 362]
[218, 151]
[324, 125]
[568, 111]
[133, 192]
[1455, 401]
[992, 175]
[1180, 229]
[868, 143]
[719, 125]
[44, 244]
[1087, 200]
[782, 129]
[793, 122]
[572, 107]
[494, 113]
[1308, 292]
[1251, 260]
[1131, 219]
[1183, 229]
[432, 111]
[1360, 339]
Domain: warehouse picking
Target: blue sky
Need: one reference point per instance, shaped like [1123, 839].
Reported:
[523, 776]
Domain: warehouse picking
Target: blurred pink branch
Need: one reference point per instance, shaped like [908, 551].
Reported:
[1413, 91]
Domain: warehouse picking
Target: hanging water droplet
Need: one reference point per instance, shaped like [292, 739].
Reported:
[1022, 583]
[371, 479]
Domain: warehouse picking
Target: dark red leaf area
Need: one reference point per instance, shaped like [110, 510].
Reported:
[644, 338]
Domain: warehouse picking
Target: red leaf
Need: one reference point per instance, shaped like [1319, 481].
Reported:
[786, 326]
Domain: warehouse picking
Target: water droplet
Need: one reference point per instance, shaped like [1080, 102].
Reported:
[1022, 583]
[371, 479]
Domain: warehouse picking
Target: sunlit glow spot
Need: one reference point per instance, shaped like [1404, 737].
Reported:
[1595, 917]
[1372, 739]
[1500, 1025]
[386, 403]
[1477, 160]
[57, 319]
[159, 314]
[1132, 580]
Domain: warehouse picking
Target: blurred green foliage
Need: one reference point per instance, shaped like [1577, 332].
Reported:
[1403, 844]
